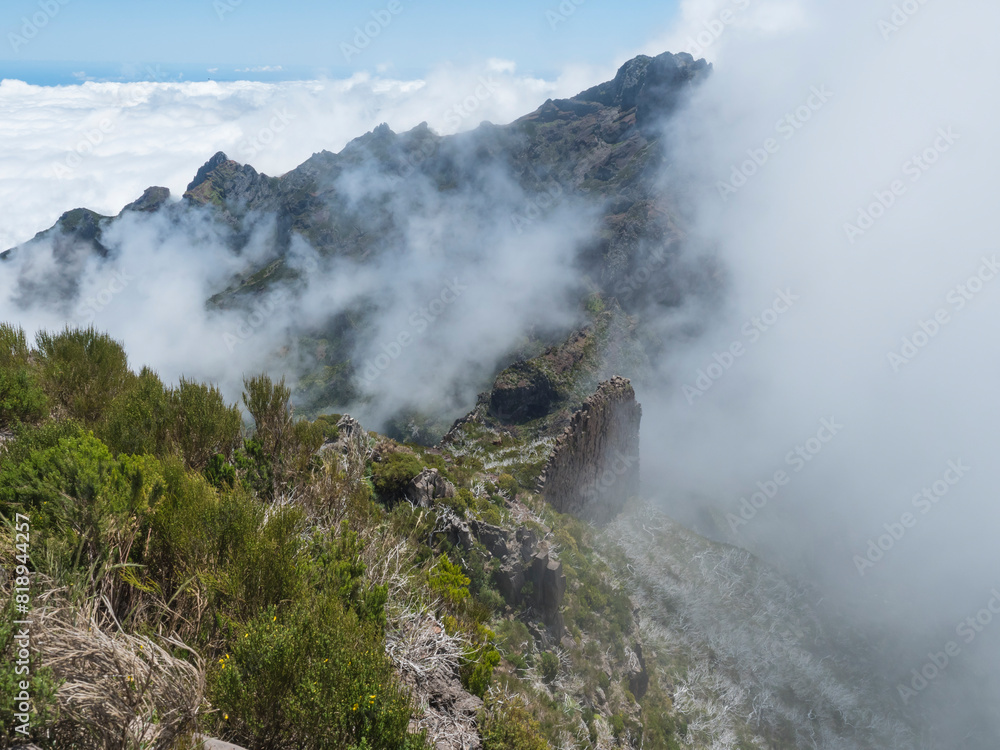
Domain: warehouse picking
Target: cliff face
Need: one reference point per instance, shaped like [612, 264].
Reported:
[594, 467]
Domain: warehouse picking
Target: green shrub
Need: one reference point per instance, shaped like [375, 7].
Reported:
[241, 557]
[203, 423]
[256, 468]
[83, 370]
[14, 350]
[549, 666]
[86, 506]
[21, 397]
[267, 566]
[661, 724]
[328, 424]
[342, 570]
[477, 670]
[447, 579]
[140, 419]
[393, 473]
[508, 484]
[509, 726]
[267, 403]
[617, 726]
[313, 676]
[220, 473]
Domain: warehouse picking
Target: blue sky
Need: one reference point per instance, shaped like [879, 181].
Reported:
[306, 36]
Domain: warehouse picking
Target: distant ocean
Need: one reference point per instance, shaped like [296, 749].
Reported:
[71, 73]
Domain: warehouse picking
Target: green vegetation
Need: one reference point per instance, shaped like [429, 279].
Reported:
[393, 473]
[279, 574]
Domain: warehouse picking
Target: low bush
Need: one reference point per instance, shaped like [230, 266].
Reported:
[21, 397]
[509, 726]
[204, 424]
[393, 473]
[549, 666]
[82, 370]
[311, 676]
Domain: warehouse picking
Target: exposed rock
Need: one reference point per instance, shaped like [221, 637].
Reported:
[521, 393]
[528, 540]
[210, 743]
[493, 538]
[230, 185]
[351, 444]
[549, 582]
[638, 677]
[652, 85]
[151, 200]
[594, 466]
[427, 487]
[455, 529]
[510, 580]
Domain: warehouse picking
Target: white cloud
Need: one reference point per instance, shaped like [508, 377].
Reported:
[99, 145]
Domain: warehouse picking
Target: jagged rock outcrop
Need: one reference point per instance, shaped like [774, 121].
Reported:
[231, 186]
[653, 85]
[522, 560]
[428, 487]
[548, 589]
[594, 466]
[521, 394]
[351, 444]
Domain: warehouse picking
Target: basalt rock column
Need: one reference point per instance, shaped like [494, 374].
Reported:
[594, 467]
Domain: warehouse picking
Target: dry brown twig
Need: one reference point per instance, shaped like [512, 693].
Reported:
[118, 690]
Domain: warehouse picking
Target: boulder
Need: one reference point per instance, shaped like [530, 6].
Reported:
[493, 538]
[351, 444]
[427, 487]
[510, 579]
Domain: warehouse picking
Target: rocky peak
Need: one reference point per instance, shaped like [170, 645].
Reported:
[236, 188]
[206, 169]
[651, 85]
[152, 199]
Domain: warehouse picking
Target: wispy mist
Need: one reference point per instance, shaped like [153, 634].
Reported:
[843, 160]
